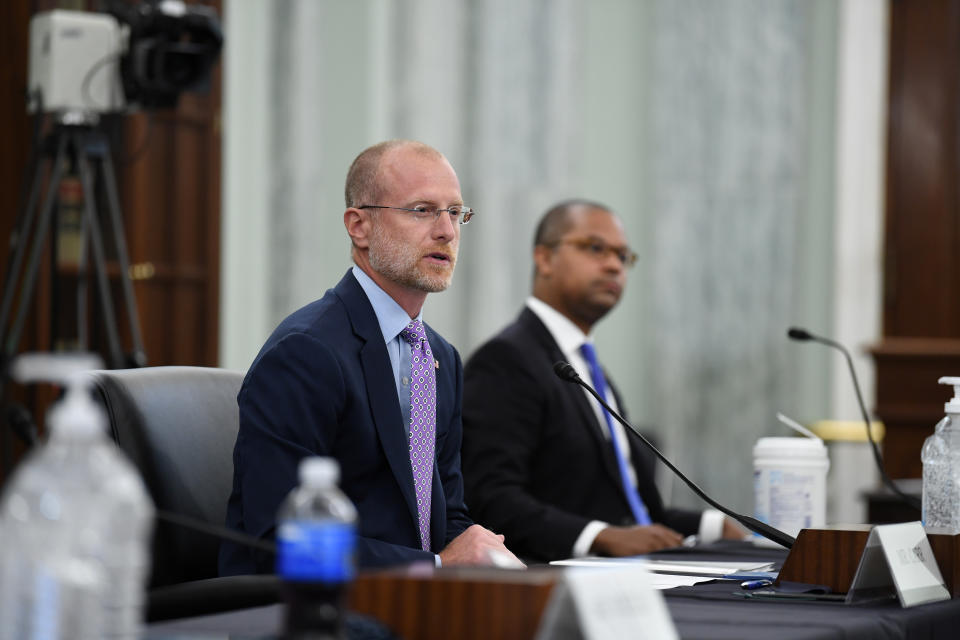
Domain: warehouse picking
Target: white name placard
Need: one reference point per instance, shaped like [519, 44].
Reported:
[602, 603]
[898, 556]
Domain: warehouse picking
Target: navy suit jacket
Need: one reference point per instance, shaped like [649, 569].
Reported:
[323, 385]
[537, 465]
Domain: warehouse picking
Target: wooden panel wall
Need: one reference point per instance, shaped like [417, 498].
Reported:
[171, 197]
[921, 304]
[14, 150]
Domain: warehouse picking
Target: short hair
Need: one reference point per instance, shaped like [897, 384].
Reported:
[363, 177]
[556, 221]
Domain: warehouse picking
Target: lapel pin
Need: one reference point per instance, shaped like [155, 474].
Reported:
[436, 364]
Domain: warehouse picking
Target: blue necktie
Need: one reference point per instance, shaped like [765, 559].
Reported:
[596, 374]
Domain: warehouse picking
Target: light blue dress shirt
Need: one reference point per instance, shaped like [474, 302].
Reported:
[392, 319]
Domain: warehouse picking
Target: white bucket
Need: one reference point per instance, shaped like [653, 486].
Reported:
[790, 483]
[855, 473]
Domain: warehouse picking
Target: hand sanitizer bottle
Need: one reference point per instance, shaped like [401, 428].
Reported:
[941, 469]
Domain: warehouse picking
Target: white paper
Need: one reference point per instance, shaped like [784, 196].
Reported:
[680, 567]
[704, 568]
[661, 581]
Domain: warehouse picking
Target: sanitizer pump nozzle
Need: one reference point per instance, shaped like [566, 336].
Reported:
[76, 415]
[953, 406]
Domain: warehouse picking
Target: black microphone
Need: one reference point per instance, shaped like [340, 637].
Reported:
[796, 333]
[802, 335]
[567, 373]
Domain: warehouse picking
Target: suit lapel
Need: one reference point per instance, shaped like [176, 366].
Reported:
[381, 388]
[585, 417]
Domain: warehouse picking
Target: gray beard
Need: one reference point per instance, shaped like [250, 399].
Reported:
[402, 265]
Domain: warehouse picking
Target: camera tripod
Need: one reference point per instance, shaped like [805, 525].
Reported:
[86, 148]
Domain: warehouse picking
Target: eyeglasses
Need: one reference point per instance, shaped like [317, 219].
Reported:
[460, 214]
[599, 249]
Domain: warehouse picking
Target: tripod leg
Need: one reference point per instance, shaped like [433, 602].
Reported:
[30, 276]
[26, 210]
[100, 262]
[21, 235]
[113, 204]
[82, 288]
[26, 216]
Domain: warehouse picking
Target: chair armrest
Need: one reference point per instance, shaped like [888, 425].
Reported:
[213, 595]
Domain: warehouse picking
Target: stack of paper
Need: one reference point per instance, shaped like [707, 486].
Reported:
[666, 574]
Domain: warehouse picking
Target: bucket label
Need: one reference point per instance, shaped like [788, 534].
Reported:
[788, 500]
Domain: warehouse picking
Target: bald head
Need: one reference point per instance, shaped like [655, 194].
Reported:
[559, 219]
[364, 177]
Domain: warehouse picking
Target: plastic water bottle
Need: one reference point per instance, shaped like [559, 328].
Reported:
[941, 469]
[316, 541]
[52, 582]
[76, 522]
[50, 586]
[128, 519]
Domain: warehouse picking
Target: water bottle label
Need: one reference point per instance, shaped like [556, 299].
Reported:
[311, 551]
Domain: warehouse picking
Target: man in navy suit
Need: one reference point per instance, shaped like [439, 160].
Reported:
[335, 379]
[542, 461]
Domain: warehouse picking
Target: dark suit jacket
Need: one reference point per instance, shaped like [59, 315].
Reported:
[536, 465]
[322, 385]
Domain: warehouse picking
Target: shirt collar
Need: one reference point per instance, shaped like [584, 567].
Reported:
[569, 337]
[390, 315]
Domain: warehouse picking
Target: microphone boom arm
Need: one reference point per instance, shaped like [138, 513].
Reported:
[216, 531]
[802, 335]
[566, 372]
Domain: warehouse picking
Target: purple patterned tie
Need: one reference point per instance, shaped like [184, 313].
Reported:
[423, 422]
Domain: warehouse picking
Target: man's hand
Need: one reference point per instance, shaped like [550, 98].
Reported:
[477, 546]
[733, 531]
[634, 541]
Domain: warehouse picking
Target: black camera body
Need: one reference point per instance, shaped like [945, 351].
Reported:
[172, 48]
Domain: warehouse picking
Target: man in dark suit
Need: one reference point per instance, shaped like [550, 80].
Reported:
[357, 376]
[542, 461]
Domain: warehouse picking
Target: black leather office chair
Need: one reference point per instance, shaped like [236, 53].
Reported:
[178, 426]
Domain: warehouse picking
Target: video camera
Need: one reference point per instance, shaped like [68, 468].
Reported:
[141, 55]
